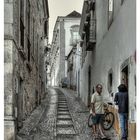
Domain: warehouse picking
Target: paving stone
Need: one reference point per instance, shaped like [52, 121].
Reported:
[62, 116]
[64, 122]
[65, 130]
[63, 112]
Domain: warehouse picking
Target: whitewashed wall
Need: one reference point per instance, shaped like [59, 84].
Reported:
[113, 48]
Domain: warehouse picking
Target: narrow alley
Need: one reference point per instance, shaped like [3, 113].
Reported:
[63, 60]
[61, 116]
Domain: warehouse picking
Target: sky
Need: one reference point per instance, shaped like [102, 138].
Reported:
[61, 8]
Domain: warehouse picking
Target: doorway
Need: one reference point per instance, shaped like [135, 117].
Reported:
[20, 104]
[124, 76]
[89, 86]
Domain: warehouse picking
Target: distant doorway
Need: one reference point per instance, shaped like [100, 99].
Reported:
[89, 86]
[79, 83]
[124, 76]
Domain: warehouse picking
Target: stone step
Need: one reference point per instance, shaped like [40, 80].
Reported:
[64, 125]
[64, 122]
[65, 130]
[60, 106]
[62, 103]
[65, 137]
[63, 109]
[63, 118]
[63, 113]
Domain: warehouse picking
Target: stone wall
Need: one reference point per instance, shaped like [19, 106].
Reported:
[22, 77]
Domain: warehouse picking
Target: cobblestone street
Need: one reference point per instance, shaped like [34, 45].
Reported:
[61, 116]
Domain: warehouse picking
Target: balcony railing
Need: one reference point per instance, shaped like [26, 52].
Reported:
[92, 32]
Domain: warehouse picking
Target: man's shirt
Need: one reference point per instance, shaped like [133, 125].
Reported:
[121, 99]
[97, 100]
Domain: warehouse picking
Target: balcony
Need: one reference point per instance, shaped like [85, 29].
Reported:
[91, 43]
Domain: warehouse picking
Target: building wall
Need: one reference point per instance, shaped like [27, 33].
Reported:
[78, 67]
[61, 48]
[114, 47]
[55, 56]
[21, 75]
[68, 24]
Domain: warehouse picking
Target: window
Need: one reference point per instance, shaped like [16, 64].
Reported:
[21, 34]
[21, 9]
[45, 28]
[28, 17]
[33, 35]
[22, 24]
[124, 76]
[28, 29]
[122, 2]
[110, 81]
[29, 51]
[135, 80]
[110, 12]
[87, 33]
[38, 5]
[37, 49]
[74, 35]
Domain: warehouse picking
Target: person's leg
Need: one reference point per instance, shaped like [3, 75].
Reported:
[101, 131]
[97, 125]
[94, 120]
[94, 128]
[126, 125]
[122, 125]
[100, 127]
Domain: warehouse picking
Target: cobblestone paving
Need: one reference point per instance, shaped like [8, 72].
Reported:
[61, 116]
[80, 115]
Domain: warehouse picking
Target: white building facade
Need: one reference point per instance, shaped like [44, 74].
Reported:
[61, 46]
[108, 31]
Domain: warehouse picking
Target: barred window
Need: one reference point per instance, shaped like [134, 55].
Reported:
[110, 12]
